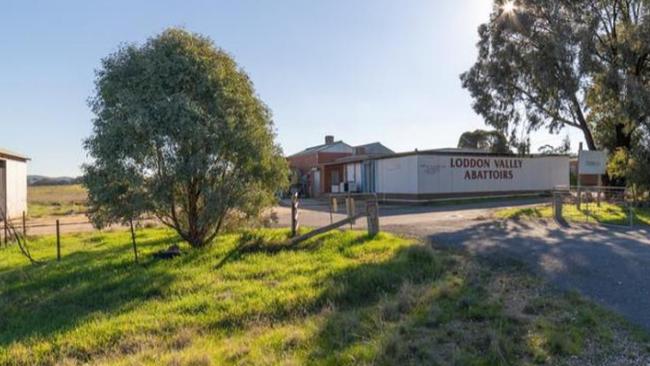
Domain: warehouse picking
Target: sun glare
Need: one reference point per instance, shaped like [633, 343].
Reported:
[509, 6]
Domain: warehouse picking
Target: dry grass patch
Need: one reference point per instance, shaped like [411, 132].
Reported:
[59, 200]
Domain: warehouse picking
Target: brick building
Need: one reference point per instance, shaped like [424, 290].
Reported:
[307, 165]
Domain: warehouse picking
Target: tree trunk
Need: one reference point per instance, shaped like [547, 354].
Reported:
[589, 139]
[584, 126]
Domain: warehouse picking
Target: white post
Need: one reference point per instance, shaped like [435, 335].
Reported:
[579, 201]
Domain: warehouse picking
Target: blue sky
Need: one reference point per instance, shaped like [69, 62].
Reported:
[364, 70]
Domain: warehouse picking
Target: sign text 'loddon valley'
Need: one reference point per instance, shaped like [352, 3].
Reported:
[487, 169]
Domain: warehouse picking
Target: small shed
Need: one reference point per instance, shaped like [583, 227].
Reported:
[13, 183]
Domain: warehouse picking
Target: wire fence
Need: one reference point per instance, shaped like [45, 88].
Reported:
[40, 226]
[603, 205]
[54, 225]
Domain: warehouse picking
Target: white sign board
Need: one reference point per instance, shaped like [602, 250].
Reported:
[592, 162]
[447, 174]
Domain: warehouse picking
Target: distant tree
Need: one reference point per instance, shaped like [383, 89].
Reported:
[522, 146]
[564, 148]
[179, 132]
[492, 141]
[552, 64]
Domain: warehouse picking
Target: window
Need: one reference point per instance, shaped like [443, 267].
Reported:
[335, 177]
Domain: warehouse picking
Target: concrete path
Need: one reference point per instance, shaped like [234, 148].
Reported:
[610, 265]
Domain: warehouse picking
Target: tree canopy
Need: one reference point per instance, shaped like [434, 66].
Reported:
[492, 141]
[179, 132]
[553, 64]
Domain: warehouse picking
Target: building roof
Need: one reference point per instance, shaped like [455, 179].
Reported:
[461, 150]
[358, 158]
[465, 152]
[318, 148]
[375, 148]
[8, 154]
[444, 151]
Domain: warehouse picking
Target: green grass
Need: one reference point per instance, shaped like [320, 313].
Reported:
[60, 200]
[341, 298]
[607, 213]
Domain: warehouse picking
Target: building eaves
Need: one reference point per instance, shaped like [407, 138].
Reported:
[8, 154]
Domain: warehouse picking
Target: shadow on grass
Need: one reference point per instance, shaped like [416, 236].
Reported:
[57, 296]
[390, 310]
[412, 309]
[252, 242]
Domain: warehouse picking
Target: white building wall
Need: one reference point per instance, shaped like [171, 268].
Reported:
[16, 188]
[439, 174]
[397, 175]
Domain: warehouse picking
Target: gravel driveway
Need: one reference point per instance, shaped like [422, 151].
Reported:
[607, 264]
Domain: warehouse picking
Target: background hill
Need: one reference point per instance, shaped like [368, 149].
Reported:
[40, 180]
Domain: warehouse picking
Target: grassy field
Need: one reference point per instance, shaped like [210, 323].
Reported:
[338, 299]
[607, 213]
[45, 201]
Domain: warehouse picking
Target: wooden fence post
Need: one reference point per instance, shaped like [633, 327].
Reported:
[557, 205]
[350, 207]
[6, 232]
[294, 215]
[24, 226]
[135, 247]
[372, 213]
[630, 211]
[58, 242]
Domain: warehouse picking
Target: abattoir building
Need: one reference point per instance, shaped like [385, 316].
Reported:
[13, 183]
[421, 176]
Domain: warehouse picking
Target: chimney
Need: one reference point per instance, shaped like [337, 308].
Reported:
[329, 140]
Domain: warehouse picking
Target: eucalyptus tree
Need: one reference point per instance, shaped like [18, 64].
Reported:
[492, 141]
[566, 63]
[180, 133]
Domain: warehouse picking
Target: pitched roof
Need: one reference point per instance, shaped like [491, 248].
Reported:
[375, 148]
[318, 148]
[12, 155]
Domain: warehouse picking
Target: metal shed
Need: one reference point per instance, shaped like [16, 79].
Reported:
[13, 183]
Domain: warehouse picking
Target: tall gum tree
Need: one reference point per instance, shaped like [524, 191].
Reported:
[565, 63]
